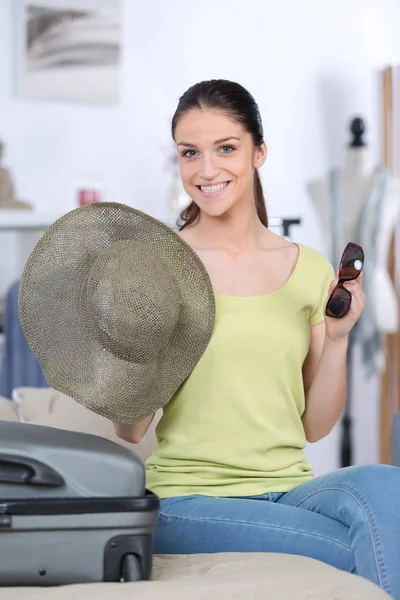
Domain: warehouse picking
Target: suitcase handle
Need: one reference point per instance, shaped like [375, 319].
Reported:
[27, 471]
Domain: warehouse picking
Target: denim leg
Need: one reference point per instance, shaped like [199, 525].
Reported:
[202, 524]
[366, 499]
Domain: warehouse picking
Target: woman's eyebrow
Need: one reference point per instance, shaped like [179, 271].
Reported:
[221, 141]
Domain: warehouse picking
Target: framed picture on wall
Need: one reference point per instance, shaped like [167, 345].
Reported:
[68, 49]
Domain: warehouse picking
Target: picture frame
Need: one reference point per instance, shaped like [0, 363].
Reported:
[68, 50]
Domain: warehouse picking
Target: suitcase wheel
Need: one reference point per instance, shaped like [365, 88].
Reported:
[131, 569]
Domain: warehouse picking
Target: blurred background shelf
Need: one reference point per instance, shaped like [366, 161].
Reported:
[25, 220]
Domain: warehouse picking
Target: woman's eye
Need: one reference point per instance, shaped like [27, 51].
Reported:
[189, 153]
[227, 149]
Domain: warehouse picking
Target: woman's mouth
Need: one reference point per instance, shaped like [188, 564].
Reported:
[210, 191]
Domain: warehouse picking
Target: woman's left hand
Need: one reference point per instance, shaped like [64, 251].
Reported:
[337, 329]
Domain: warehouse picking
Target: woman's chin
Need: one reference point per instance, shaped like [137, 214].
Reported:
[214, 209]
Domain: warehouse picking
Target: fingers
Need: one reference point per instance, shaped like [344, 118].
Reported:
[355, 289]
[355, 286]
[358, 296]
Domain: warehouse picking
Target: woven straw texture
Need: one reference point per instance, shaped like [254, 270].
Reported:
[117, 309]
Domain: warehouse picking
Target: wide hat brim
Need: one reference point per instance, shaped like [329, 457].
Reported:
[76, 363]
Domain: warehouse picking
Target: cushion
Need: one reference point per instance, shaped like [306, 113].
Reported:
[8, 410]
[45, 406]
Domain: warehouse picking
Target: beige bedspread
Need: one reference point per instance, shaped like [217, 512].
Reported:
[221, 576]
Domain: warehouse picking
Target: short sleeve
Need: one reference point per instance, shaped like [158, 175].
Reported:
[327, 274]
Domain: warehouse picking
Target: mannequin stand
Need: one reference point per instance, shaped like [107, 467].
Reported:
[346, 446]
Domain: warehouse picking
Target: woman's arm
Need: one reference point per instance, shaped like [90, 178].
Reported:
[324, 375]
[324, 370]
[133, 432]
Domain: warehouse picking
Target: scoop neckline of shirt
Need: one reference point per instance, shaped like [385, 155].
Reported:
[275, 292]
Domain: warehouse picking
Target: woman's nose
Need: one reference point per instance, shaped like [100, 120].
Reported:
[209, 168]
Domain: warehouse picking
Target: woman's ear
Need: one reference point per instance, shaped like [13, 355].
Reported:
[260, 156]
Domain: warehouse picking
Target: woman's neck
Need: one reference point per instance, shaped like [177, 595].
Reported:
[236, 231]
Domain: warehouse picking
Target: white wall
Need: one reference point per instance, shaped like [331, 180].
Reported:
[311, 65]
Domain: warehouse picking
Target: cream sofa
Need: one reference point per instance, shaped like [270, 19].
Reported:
[198, 577]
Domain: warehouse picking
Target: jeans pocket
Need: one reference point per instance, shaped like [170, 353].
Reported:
[167, 519]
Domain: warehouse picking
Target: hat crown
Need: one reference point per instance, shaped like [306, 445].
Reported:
[131, 301]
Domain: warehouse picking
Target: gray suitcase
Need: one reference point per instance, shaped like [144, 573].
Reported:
[73, 509]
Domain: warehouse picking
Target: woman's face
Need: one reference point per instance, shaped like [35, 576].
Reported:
[217, 159]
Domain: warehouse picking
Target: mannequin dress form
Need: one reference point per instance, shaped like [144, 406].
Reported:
[361, 203]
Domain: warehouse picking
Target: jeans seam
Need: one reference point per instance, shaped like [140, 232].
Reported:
[371, 525]
[248, 523]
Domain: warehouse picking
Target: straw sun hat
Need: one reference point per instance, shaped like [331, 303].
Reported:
[117, 308]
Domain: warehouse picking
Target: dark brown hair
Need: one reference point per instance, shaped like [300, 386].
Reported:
[237, 102]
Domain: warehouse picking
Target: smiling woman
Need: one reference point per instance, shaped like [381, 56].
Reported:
[229, 466]
[218, 131]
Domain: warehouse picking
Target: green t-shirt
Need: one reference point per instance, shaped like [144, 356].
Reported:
[234, 427]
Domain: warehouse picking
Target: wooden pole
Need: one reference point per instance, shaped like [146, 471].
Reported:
[396, 266]
[385, 387]
[390, 379]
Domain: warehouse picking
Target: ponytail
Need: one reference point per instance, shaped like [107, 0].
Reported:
[188, 216]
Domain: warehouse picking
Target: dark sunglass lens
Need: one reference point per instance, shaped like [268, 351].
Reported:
[339, 303]
[352, 262]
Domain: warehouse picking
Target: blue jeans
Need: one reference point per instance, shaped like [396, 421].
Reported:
[349, 519]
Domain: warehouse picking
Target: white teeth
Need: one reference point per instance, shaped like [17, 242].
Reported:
[210, 189]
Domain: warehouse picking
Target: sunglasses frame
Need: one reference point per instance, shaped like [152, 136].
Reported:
[341, 280]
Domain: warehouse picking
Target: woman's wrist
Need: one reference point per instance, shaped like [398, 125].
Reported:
[337, 342]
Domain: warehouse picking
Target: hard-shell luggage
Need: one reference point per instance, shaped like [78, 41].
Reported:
[73, 509]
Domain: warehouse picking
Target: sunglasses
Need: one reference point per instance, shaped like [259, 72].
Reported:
[351, 265]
